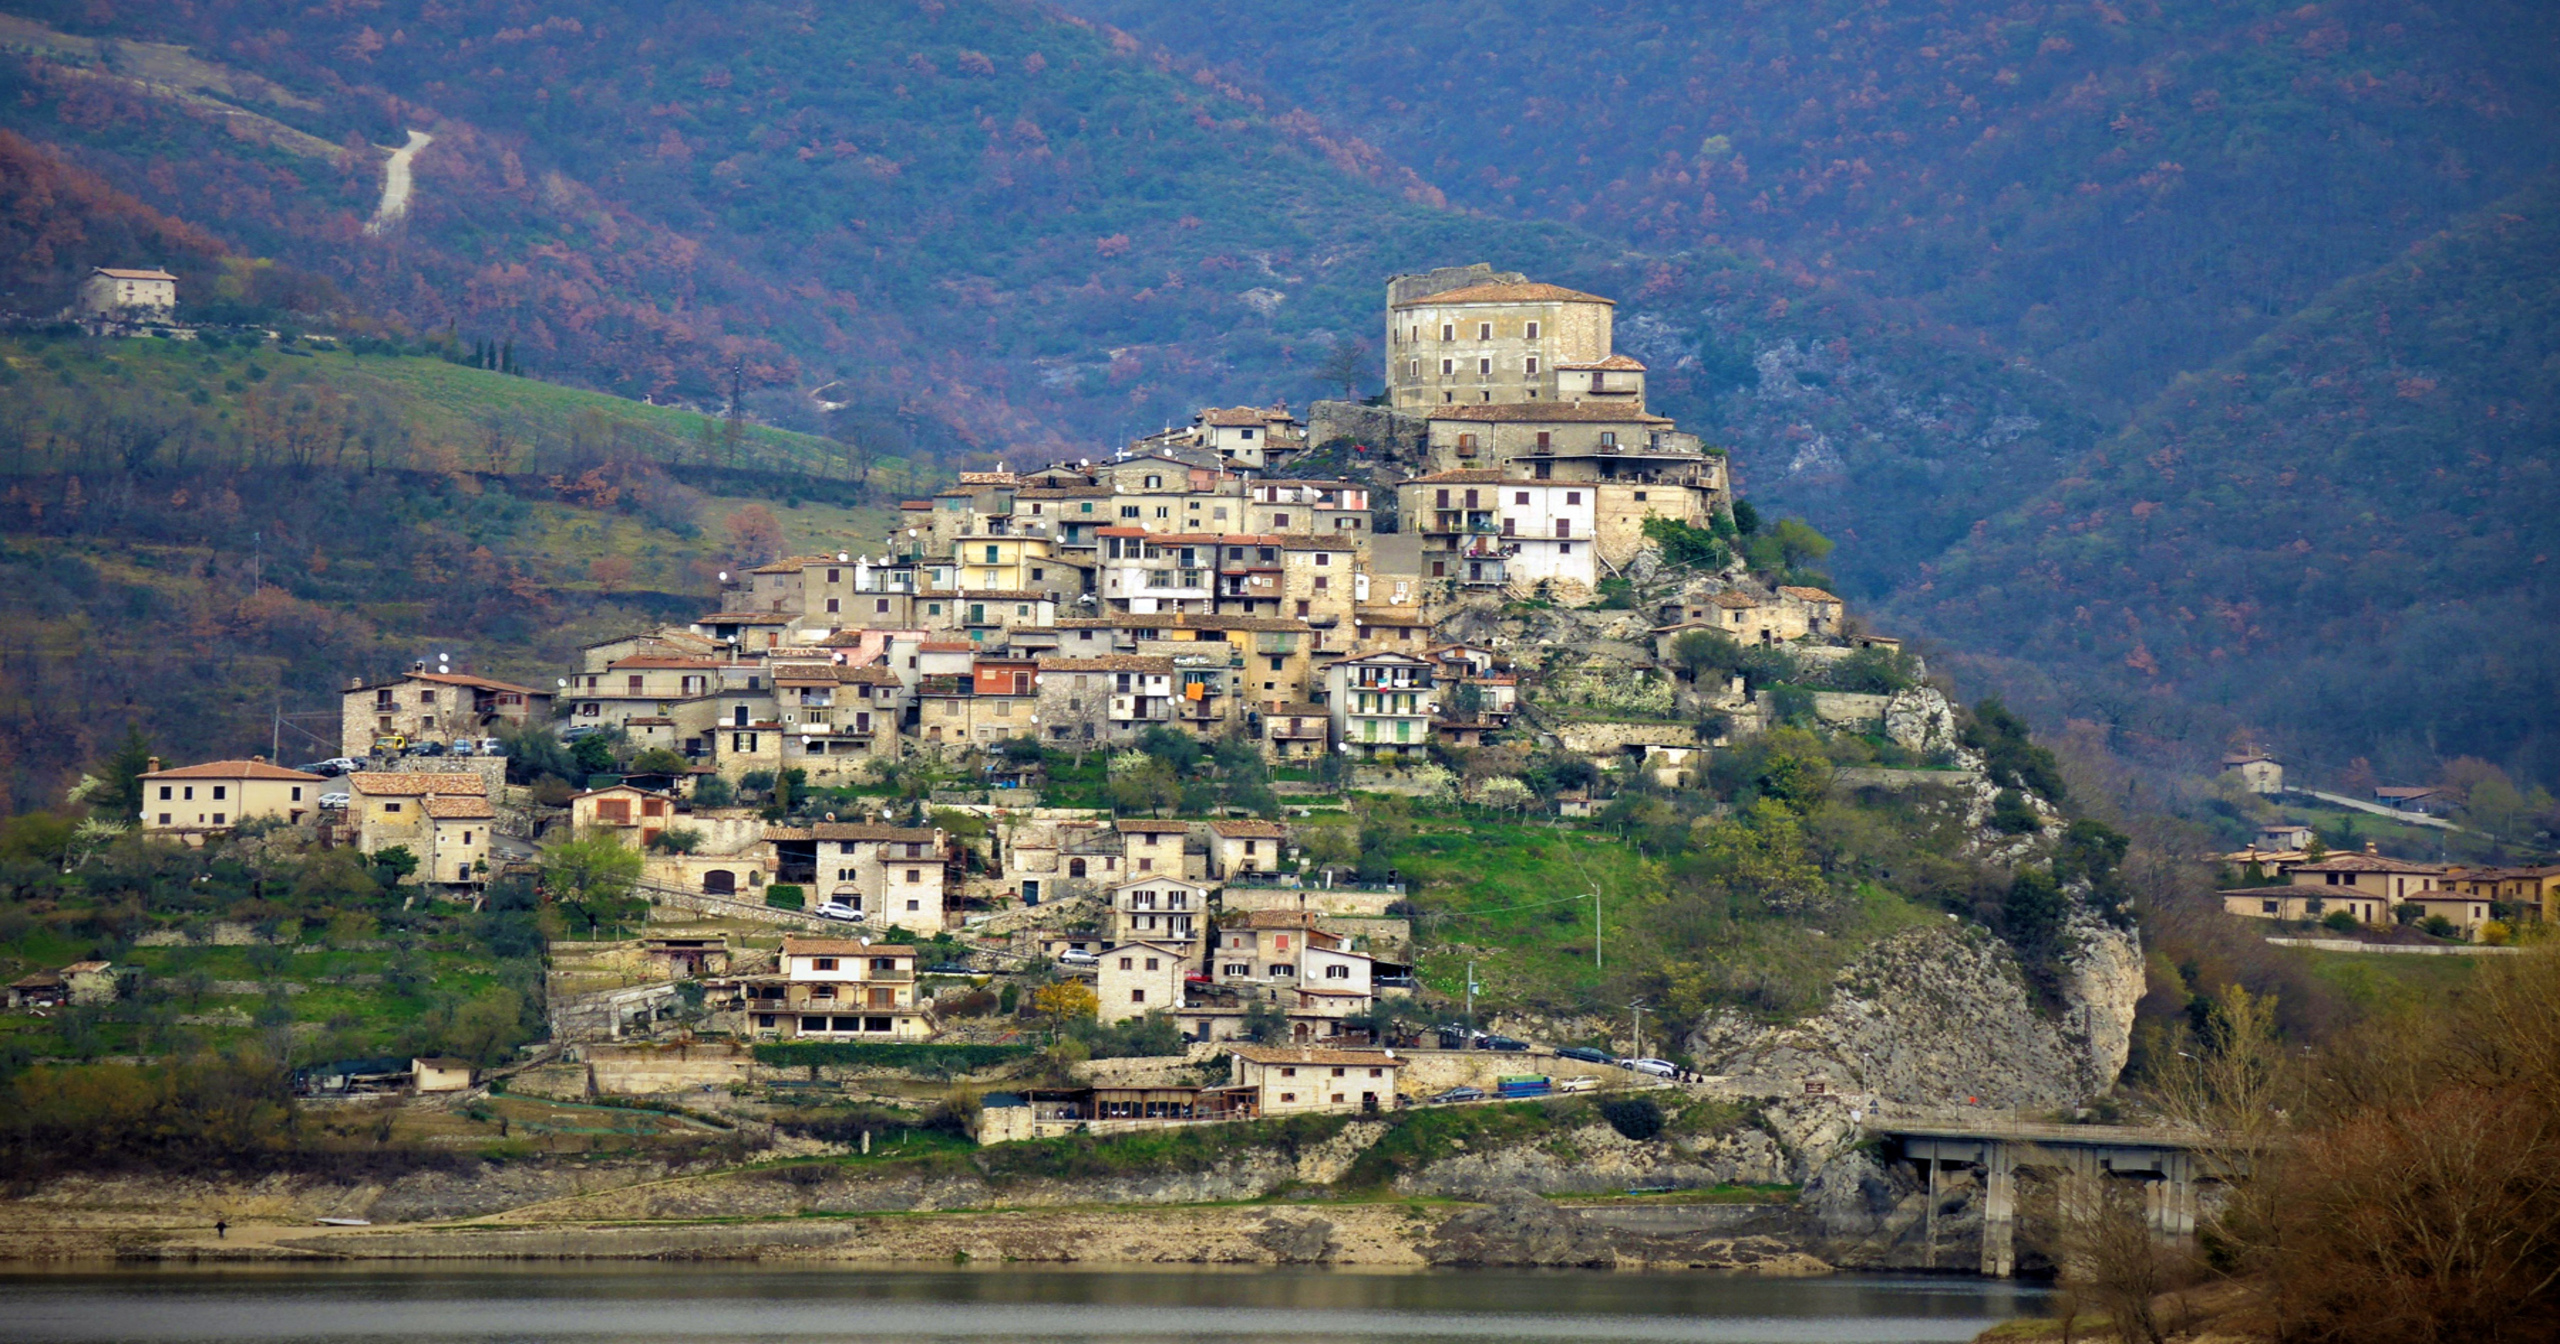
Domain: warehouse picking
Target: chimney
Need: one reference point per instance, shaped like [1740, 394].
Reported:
[2370, 848]
[257, 760]
[355, 683]
[154, 768]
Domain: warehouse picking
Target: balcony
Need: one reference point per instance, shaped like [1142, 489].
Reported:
[946, 683]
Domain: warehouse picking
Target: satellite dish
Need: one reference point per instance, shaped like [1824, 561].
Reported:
[724, 575]
[564, 682]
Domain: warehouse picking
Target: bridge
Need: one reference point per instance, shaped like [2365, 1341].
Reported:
[2168, 1162]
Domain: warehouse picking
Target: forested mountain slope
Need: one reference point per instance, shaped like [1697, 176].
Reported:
[2348, 533]
[2117, 190]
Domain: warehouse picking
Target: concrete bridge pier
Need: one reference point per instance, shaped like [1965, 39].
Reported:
[1999, 1210]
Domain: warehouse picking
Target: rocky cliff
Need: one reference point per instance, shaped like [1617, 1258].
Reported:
[1943, 1016]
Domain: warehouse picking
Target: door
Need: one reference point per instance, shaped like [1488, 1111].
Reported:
[719, 882]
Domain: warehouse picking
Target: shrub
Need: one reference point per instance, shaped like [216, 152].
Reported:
[786, 896]
[2341, 921]
[2011, 814]
[1638, 1118]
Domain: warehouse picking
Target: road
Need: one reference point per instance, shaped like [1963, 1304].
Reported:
[396, 183]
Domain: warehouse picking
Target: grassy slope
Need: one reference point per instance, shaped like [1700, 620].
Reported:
[368, 556]
[1494, 893]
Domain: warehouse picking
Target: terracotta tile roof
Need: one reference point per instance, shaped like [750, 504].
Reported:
[2368, 863]
[1303, 1054]
[1255, 416]
[1248, 830]
[863, 830]
[746, 618]
[235, 770]
[1528, 292]
[1733, 601]
[120, 273]
[874, 675]
[1116, 662]
[459, 809]
[1151, 827]
[1614, 363]
[410, 783]
[801, 945]
[1546, 412]
[1808, 595]
[663, 662]
[946, 646]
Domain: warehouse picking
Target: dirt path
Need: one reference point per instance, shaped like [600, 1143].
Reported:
[396, 183]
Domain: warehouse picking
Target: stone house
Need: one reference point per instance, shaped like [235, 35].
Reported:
[1243, 846]
[1159, 908]
[121, 294]
[633, 816]
[1501, 438]
[1284, 956]
[424, 706]
[1137, 978]
[1295, 730]
[837, 719]
[2258, 772]
[1154, 846]
[1295, 1078]
[1109, 699]
[1491, 338]
[1335, 509]
[443, 820]
[191, 802]
[892, 875]
[1821, 612]
[833, 989]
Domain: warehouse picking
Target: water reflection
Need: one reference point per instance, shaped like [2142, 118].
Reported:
[1051, 1305]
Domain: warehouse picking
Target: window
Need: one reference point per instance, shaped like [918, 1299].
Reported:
[835, 604]
[1484, 367]
[1572, 496]
[1564, 548]
[1337, 1072]
[390, 807]
[822, 963]
[1564, 527]
[1137, 996]
[881, 606]
[1484, 331]
[1529, 365]
[1529, 330]
[218, 796]
[1447, 367]
[164, 793]
[1288, 1096]
[1520, 497]
[1152, 963]
[1288, 1073]
[1128, 963]
[1448, 331]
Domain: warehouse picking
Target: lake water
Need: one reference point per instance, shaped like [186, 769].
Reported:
[1047, 1305]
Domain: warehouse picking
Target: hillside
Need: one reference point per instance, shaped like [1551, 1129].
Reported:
[280, 517]
[2117, 191]
[2344, 535]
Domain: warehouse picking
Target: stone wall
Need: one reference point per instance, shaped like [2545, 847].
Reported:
[1383, 430]
[1347, 901]
[1609, 738]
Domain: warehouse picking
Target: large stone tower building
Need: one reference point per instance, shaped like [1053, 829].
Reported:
[1471, 335]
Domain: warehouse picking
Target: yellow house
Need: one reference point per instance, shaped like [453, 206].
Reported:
[193, 801]
[1292, 1079]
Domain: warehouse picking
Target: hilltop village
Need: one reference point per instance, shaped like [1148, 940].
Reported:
[1506, 549]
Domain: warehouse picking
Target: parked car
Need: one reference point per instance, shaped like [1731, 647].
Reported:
[466, 746]
[950, 968]
[426, 748]
[1503, 1043]
[1659, 1068]
[1460, 1094]
[490, 746]
[1586, 1054]
[575, 731]
[1455, 1037]
[1577, 1084]
[840, 910]
[1074, 957]
[337, 800]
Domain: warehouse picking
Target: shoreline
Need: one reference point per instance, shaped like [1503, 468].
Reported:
[1381, 1236]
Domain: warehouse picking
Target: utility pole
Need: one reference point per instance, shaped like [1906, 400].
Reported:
[1638, 1007]
[1595, 926]
[275, 733]
[258, 561]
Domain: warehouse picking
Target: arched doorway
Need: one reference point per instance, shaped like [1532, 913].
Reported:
[1075, 867]
[719, 882]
